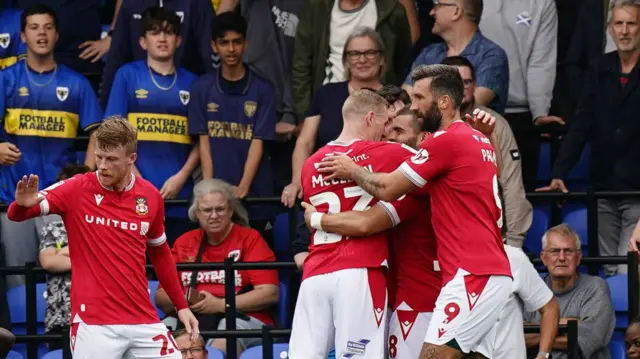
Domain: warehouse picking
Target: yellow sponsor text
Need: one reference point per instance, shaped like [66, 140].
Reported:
[160, 127]
[41, 123]
[225, 129]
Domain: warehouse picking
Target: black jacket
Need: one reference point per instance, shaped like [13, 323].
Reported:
[608, 116]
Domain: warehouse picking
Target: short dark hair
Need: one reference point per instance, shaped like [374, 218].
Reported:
[156, 18]
[473, 10]
[228, 21]
[71, 170]
[460, 61]
[417, 121]
[393, 93]
[38, 9]
[446, 80]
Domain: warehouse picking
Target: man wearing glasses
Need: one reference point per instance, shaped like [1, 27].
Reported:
[580, 296]
[456, 21]
[190, 349]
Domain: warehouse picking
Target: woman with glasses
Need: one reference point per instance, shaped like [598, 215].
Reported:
[224, 232]
[364, 64]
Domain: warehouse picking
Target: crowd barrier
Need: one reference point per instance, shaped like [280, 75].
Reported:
[32, 338]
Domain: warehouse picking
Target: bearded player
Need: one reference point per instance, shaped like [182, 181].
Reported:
[459, 165]
[112, 217]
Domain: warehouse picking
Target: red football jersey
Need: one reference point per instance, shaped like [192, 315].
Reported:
[460, 166]
[242, 244]
[330, 252]
[415, 276]
[108, 234]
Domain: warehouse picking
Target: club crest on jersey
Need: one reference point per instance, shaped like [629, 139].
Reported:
[62, 93]
[235, 254]
[141, 206]
[5, 40]
[250, 108]
[421, 157]
[184, 97]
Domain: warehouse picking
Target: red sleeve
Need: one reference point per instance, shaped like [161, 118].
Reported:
[155, 235]
[56, 201]
[434, 159]
[257, 250]
[403, 209]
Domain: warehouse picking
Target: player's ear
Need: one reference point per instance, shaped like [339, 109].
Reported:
[132, 158]
[443, 102]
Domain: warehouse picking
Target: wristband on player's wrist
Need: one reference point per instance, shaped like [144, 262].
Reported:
[316, 221]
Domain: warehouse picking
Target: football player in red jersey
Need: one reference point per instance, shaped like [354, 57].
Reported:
[460, 167]
[112, 217]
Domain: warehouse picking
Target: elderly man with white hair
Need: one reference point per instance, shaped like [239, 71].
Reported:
[580, 296]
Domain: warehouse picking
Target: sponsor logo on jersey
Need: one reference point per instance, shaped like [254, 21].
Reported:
[23, 91]
[235, 254]
[250, 108]
[5, 40]
[62, 93]
[209, 277]
[421, 157]
[356, 348]
[212, 107]
[115, 223]
[406, 318]
[224, 129]
[141, 93]
[141, 206]
[160, 127]
[184, 97]
[41, 123]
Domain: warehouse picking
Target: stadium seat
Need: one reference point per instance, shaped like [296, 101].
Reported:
[14, 355]
[280, 350]
[544, 163]
[617, 349]
[533, 241]
[17, 300]
[578, 220]
[153, 286]
[281, 242]
[215, 353]
[619, 289]
[580, 171]
[283, 305]
[55, 354]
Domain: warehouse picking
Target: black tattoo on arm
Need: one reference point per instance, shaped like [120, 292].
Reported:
[372, 183]
[429, 353]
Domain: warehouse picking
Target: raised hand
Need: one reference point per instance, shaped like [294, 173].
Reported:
[482, 121]
[27, 192]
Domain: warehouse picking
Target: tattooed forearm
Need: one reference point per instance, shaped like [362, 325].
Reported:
[372, 183]
[428, 353]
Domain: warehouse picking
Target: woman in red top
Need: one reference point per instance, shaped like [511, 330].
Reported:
[224, 226]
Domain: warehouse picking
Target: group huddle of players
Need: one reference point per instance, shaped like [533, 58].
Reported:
[432, 215]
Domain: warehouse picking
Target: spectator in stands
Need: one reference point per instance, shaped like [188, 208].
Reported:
[632, 339]
[7, 339]
[189, 348]
[79, 22]
[527, 31]
[30, 91]
[11, 46]
[364, 63]
[322, 32]
[94, 50]
[233, 112]
[224, 233]
[607, 118]
[54, 258]
[194, 54]
[153, 95]
[457, 22]
[580, 296]
[517, 210]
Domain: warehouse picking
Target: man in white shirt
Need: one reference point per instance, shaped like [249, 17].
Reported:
[529, 292]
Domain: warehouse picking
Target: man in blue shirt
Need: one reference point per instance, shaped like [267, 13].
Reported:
[11, 46]
[153, 95]
[456, 21]
[233, 111]
[43, 105]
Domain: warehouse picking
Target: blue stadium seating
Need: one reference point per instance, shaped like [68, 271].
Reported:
[544, 163]
[55, 354]
[617, 349]
[17, 299]
[283, 305]
[619, 289]
[577, 220]
[153, 286]
[533, 241]
[580, 172]
[281, 242]
[215, 353]
[14, 355]
[280, 350]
